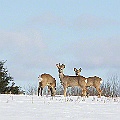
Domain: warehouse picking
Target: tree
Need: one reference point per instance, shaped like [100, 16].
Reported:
[31, 90]
[111, 87]
[15, 90]
[115, 85]
[5, 81]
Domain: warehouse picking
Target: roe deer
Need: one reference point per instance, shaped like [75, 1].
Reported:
[47, 80]
[92, 81]
[71, 81]
[77, 71]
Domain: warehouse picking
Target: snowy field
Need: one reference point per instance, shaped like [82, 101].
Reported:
[23, 107]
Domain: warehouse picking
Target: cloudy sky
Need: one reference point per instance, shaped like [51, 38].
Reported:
[37, 34]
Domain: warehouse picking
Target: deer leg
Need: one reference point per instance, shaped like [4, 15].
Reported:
[38, 90]
[99, 92]
[49, 89]
[65, 89]
[87, 93]
[84, 92]
[41, 91]
[40, 84]
[53, 85]
[53, 91]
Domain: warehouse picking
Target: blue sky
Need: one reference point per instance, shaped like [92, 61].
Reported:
[37, 34]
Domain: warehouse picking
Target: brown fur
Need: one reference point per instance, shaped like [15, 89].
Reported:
[71, 81]
[47, 80]
[92, 81]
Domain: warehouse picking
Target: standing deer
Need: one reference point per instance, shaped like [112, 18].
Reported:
[71, 81]
[92, 81]
[47, 80]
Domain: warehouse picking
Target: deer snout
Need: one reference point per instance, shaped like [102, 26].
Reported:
[60, 70]
[55, 88]
[39, 79]
[77, 74]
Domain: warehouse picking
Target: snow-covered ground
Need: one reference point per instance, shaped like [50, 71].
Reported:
[23, 107]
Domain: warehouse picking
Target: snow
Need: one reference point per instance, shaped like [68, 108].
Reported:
[25, 107]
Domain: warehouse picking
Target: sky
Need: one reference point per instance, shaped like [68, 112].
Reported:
[35, 35]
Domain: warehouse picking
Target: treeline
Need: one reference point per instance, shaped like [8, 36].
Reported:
[112, 86]
[7, 84]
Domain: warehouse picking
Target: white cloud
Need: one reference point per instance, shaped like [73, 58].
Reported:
[48, 19]
[95, 53]
[87, 21]
[26, 53]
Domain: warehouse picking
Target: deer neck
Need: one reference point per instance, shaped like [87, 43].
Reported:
[61, 76]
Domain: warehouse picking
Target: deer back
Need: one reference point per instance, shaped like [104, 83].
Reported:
[70, 80]
[74, 81]
[47, 79]
[94, 81]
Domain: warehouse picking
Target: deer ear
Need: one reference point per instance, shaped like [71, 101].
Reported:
[74, 69]
[80, 69]
[57, 65]
[63, 65]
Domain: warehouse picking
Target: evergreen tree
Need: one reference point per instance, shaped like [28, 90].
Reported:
[6, 80]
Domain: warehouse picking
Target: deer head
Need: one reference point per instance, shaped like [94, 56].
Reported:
[77, 71]
[60, 67]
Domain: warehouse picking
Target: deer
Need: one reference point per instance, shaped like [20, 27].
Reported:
[77, 71]
[47, 80]
[71, 81]
[92, 82]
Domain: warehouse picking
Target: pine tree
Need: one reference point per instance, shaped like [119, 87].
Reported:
[5, 78]
[6, 81]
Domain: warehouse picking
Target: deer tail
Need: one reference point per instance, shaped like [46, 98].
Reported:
[86, 80]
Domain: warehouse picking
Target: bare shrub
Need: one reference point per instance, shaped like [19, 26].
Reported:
[112, 86]
[31, 90]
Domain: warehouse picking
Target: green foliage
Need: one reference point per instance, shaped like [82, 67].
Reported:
[15, 90]
[6, 80]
